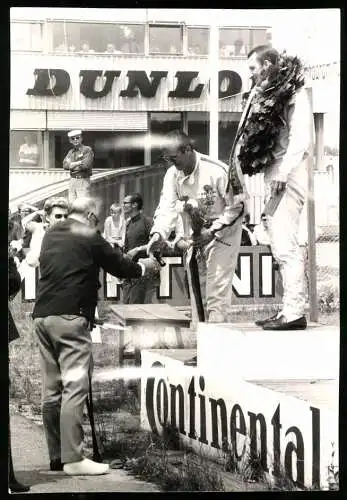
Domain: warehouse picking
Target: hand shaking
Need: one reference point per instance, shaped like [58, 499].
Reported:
[154, 244]
[151, 265]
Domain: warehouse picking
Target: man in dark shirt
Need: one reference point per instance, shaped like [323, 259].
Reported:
[72, 253]
[79, 160]
[138, 227]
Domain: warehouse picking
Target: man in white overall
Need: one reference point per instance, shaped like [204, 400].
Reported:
[286, 176]
[202, 181]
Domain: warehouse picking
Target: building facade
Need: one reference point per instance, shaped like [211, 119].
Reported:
[125, 82]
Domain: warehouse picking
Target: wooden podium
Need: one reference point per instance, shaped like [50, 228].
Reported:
[143, 318]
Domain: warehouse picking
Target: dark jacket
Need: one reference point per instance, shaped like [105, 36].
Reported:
[70, 261]
[137, 231]
[14, 282]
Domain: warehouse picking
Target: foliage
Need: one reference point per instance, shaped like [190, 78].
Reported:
[333, 471]
[188, 474]
[267, 115]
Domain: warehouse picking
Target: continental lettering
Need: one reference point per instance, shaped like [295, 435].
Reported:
[211, 428]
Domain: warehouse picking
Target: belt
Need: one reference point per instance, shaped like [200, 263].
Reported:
[79, 176]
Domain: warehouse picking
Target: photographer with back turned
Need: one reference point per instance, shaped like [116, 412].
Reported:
[72, 254]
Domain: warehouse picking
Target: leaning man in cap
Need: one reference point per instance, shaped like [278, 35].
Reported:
[79, 160]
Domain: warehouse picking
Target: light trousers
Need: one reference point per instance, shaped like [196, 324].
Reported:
[66, 359]
[216, 263]
[283, 231]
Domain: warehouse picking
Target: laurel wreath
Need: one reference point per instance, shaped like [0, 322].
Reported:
[267, 117]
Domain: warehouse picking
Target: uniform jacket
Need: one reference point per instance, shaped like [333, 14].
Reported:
[85, 156]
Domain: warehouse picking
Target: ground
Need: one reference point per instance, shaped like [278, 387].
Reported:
[116, 405]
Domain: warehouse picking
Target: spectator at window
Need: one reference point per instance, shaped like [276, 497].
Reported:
[224, 51]
[29, 152]
[239, 48]
[85, 48]
[130, 45]
[173, 49]
[111, 49]
[195, 49]
[62, 48]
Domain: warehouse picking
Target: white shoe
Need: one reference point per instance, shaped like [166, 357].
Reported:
[86, 467]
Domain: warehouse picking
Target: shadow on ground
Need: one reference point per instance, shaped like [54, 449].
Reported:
[34, 476]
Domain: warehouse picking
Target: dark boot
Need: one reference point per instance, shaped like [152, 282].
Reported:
[13, 484]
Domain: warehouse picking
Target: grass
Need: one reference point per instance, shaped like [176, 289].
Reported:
[117, 408]
[184, 472]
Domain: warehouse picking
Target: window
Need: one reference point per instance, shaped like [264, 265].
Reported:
[234, 42]
[165, 39]
[199, 130]
[238, 42]
[111, 149]
[198, 40]
[26, 148]
[26, 36]
[92, 38]
[259, 37]
[160, 124]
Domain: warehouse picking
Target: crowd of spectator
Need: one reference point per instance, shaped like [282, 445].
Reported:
[28, 224]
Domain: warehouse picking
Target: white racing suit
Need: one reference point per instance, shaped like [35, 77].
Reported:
[217, 260]
[291, 152]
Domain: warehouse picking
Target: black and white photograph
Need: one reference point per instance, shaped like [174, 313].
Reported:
[173, 250]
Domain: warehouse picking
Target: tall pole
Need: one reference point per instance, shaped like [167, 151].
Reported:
[214, 88]
[311, 226]
[319, 148]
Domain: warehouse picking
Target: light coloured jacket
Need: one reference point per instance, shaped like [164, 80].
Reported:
[33, 255]
[294, 145]
[207, 185]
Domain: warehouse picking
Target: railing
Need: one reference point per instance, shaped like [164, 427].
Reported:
[110, 186]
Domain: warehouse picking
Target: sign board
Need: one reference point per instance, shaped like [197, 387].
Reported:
[255, 281]
[213, 415]
[96, 84]
[325, 82]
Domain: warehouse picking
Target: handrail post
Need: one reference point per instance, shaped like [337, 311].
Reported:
[311, 226]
